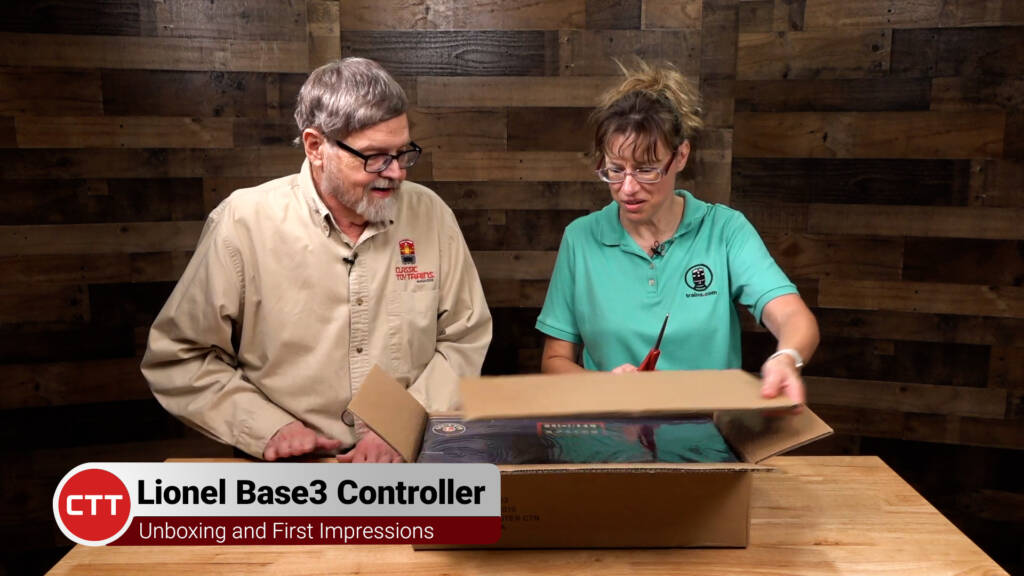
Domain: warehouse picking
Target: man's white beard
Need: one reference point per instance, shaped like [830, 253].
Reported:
[377, 210]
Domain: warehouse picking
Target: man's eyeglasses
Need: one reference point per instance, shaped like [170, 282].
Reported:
[646, 175]
[376, 163]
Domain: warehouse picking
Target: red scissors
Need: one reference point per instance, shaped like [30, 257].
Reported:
[652, 357]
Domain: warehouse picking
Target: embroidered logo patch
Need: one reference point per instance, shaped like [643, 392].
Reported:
[407, 248]
[699, 278]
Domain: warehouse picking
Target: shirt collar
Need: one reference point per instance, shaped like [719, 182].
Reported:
[318, 211]
[612, 233]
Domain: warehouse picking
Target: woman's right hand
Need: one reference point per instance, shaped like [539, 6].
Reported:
[624, 369]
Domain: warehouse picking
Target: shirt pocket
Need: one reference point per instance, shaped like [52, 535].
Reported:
[412, 319]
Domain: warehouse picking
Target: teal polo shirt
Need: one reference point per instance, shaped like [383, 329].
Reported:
[610, 296]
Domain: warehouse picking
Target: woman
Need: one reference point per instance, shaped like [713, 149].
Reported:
[655, 251]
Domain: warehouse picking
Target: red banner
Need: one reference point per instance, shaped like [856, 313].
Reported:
[218, 530]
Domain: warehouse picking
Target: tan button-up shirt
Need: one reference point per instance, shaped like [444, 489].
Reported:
[279, 316]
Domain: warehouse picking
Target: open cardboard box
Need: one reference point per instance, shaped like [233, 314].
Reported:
[614, 505]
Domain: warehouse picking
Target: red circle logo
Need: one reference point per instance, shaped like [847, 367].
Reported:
[92, 506]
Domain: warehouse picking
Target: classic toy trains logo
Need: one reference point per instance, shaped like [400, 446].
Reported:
[448, 429]
[407, 248]
[92, 507]
[409, 270]
[699, 278]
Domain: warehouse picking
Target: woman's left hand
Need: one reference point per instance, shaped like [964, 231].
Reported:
[779, 375]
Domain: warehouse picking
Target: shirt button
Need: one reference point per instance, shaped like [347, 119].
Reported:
[325, 229]
[359, 349]
[652, 265]
[359, 301]
[650, 282]
[348, 418]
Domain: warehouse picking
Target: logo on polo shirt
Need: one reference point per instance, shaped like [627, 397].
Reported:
[407, 248]
[409, 270]
[699, 279]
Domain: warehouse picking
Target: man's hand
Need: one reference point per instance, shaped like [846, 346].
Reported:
[295, 439]
[780, 376]
[371, 449]
[624, 369]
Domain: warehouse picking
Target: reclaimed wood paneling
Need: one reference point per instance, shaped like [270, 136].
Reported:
[67, 303]
[468, 15]
[587, 196]
[8, 134]
[991, 52]
[125, 52]
[831, 54]
[528, 166]
[826, 95]
[916, 14]
[123, 132]
[32, 385]
[270, 162]
[118, 200]
[614, 14]
[324, 23]
[234, 19]
[593, 52]
[25, 269]
[199, 94]
[852, 181]
[564, 129]
[103, 17]
[922, 327]
[719, 22]
[98, 238]
[997, 183]
[453, 130]
[908, 397]
[672, 14]
[972, 93]
[870, 134]
[515, 229]
[966, 299]
[820, 256]
[514, 265]
[967, 261]
[457, 52]
[468, 92]
[50, 92]
[922, 427]
[932, 222]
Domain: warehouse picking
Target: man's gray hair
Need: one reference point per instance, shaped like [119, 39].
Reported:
[346, 96]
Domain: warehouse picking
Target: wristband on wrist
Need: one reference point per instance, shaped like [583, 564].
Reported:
[797, 358]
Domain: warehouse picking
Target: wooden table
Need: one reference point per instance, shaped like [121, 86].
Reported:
[813, 515]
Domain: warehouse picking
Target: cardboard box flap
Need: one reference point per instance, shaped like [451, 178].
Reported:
[606, 394]
[633, 468]
[388, 409]
[756, 436]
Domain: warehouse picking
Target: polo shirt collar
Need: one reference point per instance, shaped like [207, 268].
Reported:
[612, 233]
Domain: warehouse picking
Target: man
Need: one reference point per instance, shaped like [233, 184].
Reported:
[300, 285]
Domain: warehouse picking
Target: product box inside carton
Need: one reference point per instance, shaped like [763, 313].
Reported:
[586, 505]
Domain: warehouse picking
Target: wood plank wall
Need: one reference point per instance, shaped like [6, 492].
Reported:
[877, 146]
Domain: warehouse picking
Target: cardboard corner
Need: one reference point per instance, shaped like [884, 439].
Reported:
[757, 436]
[391, 412]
